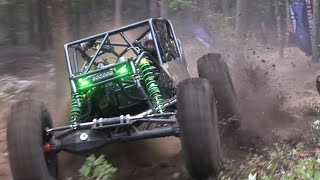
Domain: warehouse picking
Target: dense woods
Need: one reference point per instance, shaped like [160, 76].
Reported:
[36, 21]
[250, 32]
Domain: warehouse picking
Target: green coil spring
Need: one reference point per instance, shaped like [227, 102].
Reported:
[151, 85]
[75, 108]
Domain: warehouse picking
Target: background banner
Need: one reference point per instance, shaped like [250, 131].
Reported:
[301, 24]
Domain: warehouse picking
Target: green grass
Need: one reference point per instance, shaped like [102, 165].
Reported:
[316, 130]
[311, 108]
[96, 168]
[280, 163]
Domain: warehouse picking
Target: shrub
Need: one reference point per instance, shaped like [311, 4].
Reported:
[311, 108]
[96, 168]
[281, 163]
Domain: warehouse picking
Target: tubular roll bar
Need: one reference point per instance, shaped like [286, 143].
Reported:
[128, 44]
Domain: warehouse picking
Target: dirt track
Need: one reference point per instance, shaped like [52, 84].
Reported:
[271, 107]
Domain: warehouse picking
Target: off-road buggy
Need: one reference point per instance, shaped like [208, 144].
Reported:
[125, 90]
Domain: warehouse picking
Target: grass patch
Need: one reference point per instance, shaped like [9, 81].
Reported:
[281, 163]
[311, 108]
[316, 130]
[96, 168]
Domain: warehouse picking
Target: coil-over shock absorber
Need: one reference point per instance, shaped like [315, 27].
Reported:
[75, 108]
[151, 85]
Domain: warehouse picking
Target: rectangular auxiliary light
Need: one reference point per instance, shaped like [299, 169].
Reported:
[104, 75]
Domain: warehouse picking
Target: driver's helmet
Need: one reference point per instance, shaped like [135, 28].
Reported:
[149, 45]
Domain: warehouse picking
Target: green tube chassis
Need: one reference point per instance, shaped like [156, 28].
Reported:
[120, 89]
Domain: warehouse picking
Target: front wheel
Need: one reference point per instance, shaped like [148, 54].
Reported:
[26, 139]
[198, 119]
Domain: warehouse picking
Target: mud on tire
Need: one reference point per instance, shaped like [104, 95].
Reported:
[197, 117]
[212, 67]
[25, 138]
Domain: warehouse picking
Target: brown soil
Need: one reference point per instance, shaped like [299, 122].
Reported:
[272, 92]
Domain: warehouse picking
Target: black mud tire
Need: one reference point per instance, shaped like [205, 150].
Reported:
[25, 138]
[212, 67]
[199, 133]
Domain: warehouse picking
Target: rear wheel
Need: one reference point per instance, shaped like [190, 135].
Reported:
[212, 67]
[197, 117]
[26, 139]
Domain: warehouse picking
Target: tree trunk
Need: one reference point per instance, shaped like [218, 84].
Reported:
[31, 22]
[43, 24]
[272, 22]
[118, 13]
[60, 37]
[283, 26]
[12, 32]
[76, 23]
[164, 8]
[201, 12]
[269, 23]
[315, 32]
[226, 8]
[94, 8]
[73, 19]
[154, 11]
[241, 26]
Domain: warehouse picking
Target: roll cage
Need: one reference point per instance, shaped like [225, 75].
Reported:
[167, 48]
[116, 44]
